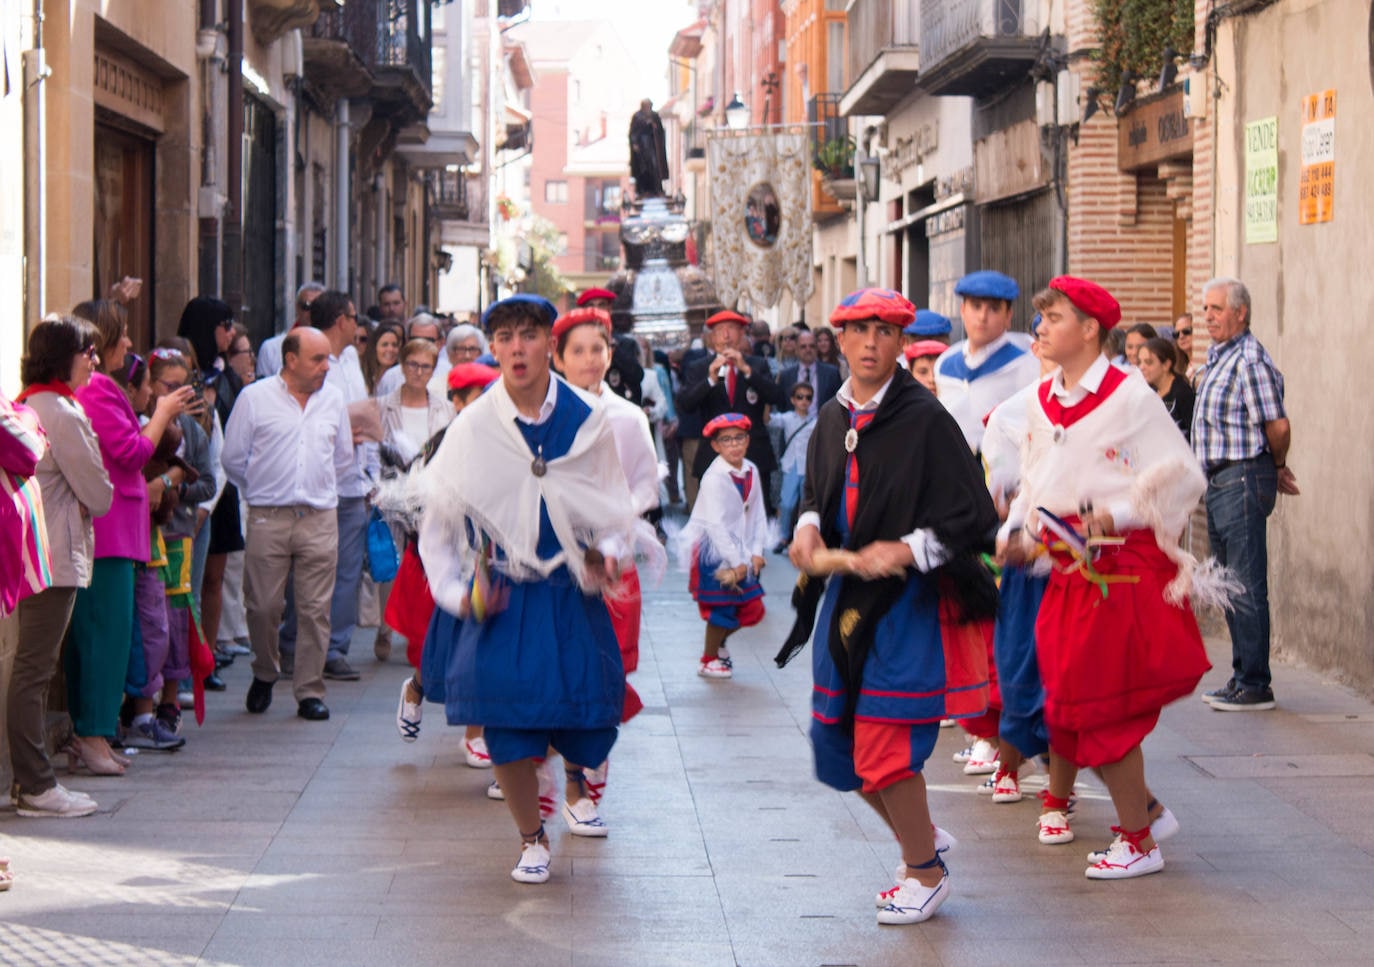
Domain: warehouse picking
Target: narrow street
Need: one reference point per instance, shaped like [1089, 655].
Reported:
[269, 840]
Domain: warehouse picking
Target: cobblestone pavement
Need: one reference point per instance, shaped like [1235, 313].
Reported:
[269, 840]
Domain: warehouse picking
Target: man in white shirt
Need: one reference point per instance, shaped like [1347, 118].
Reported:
[269, 353]
[990, 363]
[334, 315]
[287, 445]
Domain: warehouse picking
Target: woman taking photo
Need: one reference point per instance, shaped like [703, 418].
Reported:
[61, 357]
[1156, 360]
[103, 614]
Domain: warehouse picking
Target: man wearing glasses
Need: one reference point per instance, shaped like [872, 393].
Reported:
[464, 344]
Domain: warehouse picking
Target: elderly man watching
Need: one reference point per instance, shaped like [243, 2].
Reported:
[1241, 436]
[464, 344]
[287, 446]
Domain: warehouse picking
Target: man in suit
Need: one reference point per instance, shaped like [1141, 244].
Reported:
[731, 382]
[823, 377]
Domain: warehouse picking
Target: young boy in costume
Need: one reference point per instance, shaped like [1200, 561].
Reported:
[1107, 485]
[891, 480]
[727, 532]
[527, 516]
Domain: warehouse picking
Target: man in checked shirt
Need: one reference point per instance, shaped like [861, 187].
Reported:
[1241, 436]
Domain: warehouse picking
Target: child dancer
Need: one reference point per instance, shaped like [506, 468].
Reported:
[527, 516]
[920, 360]
[582, 353]
[1108, 484]
[727, 532]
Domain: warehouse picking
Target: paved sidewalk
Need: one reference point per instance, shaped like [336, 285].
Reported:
[274, 841]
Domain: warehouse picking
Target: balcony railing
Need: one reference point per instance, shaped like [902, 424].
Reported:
[403, 57]
[341, 49]
[975, 47]
[831, 147]
[879, 25]
[450, 194]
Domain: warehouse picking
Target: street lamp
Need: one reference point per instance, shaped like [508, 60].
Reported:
[737, 113]
[870, 170]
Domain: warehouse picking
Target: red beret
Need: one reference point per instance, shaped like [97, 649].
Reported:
[1090, 298]
[581, 317]
[726, 421]
[884, 305]
[726, 316]
[466, 375]
[924, 347]
[591, 294]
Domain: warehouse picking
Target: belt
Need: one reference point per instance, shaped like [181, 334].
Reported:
[1228, 464]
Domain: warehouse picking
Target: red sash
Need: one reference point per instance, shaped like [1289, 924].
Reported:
[1062, 416]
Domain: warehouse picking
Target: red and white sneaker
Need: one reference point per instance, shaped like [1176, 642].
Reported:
[982, 759]
[475, 753]
[1164, 826]
[1124, 860]
[548, 787]
[944, 843]
[1054, 828]
[1006, 787]
[715, 668]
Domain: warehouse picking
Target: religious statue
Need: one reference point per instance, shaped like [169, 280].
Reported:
[648, 155]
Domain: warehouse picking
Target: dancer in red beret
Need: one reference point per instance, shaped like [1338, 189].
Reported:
[728, 532]
[1108, 484]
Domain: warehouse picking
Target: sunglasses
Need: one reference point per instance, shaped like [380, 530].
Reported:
[163, 352]
[131, 365]
[802, 396]
[1183, 332]
[226, 323]
[93, 353]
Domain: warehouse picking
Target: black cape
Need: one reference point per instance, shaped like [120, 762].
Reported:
[915, 471]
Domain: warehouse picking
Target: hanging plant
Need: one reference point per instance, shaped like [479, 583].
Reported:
[1133, 35]
[506, 208]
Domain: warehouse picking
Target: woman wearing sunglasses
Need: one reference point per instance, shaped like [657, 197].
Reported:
[103, 614]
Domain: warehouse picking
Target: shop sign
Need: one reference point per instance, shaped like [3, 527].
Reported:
[1262, 181]
[1317, 185]
[1155, 130]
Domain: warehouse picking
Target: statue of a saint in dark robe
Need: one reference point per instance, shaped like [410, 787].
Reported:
[648, 156]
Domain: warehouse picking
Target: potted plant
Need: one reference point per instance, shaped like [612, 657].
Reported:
[835, 158]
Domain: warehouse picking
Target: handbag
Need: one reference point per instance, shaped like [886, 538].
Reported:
[382, 559]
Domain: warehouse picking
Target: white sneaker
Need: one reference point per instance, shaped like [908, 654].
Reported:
[56, 802]
[982, 759]
[944, 840]
[963, 754]
[533, 866]
[1124, 861]
[1164, 827]
[408, 714]
[948, 723]
[583, 819]
[944, 843]
[987, 786]
[1006, 788]
[715, 668]
[475, 753]
[494, 792]
[910, 902]
[1054, 828]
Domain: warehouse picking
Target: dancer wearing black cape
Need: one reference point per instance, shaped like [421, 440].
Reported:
[891, 483]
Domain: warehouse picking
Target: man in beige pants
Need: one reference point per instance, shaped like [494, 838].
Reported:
[287, 443]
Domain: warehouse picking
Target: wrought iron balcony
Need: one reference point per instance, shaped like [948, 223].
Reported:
[450, 195]
[883, 55]
[976, 47]
[403, 75]
[340, 50]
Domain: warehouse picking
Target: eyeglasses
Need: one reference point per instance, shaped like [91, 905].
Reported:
[415, 367]
[802, 396]
[240, 352]
[733, 439]
[131, 365]
[1183, 332]
[93, 353]
[170, 387]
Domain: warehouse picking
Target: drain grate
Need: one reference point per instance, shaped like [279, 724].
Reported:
[1283, 766]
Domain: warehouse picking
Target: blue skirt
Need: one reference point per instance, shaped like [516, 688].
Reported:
[547, 660]
[1018, 673]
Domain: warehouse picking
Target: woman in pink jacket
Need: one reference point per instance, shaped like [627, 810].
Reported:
[103, 616]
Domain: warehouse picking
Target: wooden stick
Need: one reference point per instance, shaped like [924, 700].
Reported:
[830, 561]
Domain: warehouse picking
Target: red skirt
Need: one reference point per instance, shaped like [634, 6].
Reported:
[1111, 663]
[968, 638]
[410, 605]
[625, 608]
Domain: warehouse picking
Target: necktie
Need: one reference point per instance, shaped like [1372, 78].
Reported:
[730, 384]
[857, 421]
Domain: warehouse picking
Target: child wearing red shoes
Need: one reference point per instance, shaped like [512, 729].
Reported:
[728, 532]
[1108, 484]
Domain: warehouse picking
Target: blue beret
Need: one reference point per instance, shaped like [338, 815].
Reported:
[537, 305]
[987, 284]
[928, 323]
[1035, 323]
